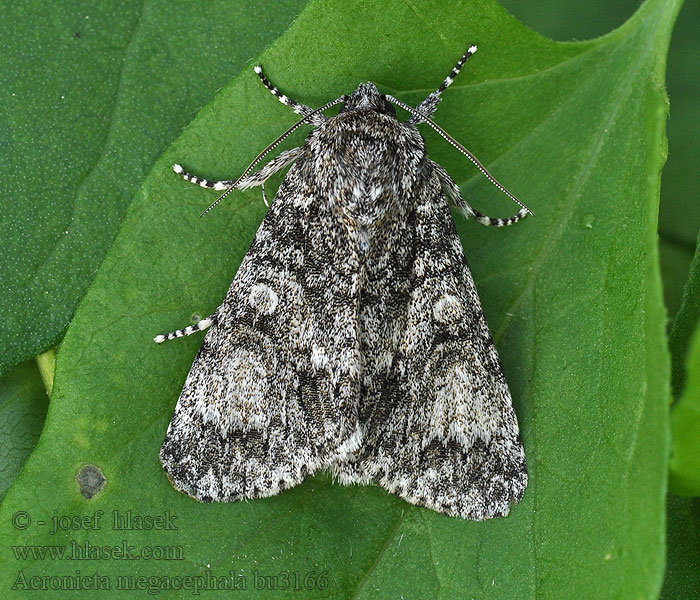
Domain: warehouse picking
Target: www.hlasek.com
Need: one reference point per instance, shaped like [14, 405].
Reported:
[85, 550]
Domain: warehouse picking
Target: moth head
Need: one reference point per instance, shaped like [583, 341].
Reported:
[368, 97]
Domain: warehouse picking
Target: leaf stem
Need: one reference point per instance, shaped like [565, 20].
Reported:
[47, 363]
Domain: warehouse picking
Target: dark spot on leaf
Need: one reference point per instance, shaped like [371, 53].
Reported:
[91, 481]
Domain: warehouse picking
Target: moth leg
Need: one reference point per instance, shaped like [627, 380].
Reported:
[300, 109]
[200, 325]
[214, 185]
[428, 106]
[260, 176]
[257, 178]
[452, 192]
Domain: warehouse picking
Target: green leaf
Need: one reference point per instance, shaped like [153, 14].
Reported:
[685, 323]
[682, 580]
[684, 467]
[23, 404]
[573, 299]
[92, 94]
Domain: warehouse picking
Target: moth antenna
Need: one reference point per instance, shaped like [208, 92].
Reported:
[430, 103]
[271, 147]
[459, 147]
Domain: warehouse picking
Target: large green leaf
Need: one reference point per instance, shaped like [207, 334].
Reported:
[93, 92]
[679, 217]
[573, 299]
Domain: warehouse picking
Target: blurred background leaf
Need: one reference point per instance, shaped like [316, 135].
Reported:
[685, 426]
[685, 324]
[682, 580]
[552, 121]
[23, 404]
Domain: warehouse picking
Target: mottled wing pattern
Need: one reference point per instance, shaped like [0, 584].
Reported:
[272, 395]
[439, 428]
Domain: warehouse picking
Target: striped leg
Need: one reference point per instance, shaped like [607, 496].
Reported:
[455, 196]
[301, 109]
[200, 325]
[257, 178]
[214, 185]
[428, 106]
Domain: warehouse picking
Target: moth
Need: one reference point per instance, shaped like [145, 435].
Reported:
[352, 337]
